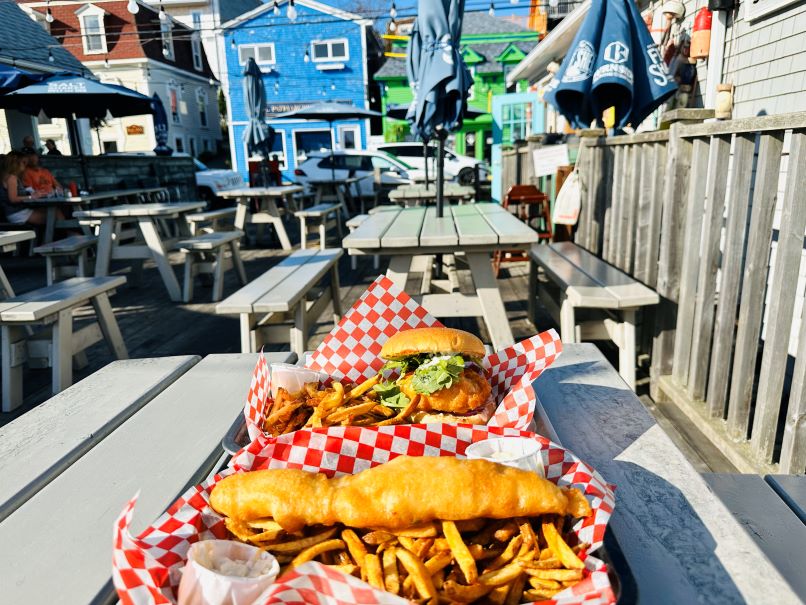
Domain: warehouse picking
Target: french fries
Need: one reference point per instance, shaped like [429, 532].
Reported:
[508, 562]
[337, 404]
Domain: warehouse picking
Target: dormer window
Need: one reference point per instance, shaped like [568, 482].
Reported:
[93, 33]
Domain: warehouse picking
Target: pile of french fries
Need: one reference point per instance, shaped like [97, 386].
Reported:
[504, 562]
[338, 404]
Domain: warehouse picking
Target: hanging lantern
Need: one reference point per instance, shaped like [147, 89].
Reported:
[701, 35]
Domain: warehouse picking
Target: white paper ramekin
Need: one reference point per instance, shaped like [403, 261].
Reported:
[518, 452]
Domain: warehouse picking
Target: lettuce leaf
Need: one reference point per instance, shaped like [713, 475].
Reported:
[438, 376]
[390, 395]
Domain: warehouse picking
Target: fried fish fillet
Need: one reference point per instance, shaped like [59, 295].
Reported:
[396, 495]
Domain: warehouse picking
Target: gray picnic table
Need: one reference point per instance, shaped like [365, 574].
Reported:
[268, 213]
[417, 193]
[157, 242]
[155, 425]
[474, 230]
[69, 466]
[338, 189]
[8, 243]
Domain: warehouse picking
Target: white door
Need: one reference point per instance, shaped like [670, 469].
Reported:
[349, 137]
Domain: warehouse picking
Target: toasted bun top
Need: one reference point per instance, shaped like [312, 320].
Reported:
[443, 341]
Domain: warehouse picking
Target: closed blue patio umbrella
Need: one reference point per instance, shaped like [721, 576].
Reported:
[612, 62]
[160, 118]
[438, 75]
[258, 136]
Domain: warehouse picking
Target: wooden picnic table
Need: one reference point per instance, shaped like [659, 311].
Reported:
[422, 194]
[115, 194]
[70, 465]
[157, 243]
[155, 425]
[8, 243]
[338, 189]
[475, 230]
[51, 205]
[268, 212]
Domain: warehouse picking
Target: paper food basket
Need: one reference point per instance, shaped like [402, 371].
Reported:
[352, 351]
[147, 568]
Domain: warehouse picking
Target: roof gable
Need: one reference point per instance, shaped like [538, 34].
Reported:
[471, 57]
[511, 54]
[311, 4]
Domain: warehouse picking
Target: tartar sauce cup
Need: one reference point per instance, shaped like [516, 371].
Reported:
[225, 572]
[290, 377]
[518, 452]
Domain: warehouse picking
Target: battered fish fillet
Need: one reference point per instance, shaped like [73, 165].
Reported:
[395, 495]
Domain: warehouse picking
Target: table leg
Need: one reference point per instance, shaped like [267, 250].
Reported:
[158, 254]
[50, 223]
[240, 213]
[567, 321]
[492, 305]
[335, 293]
[318, 195]
[626, 350]
[303, 233]
[342, 201]
[109, 326]
[299, 330]
[8, 291]
[62, 351]
[12, 338]
[398, 270]
[105, 242]
[272, 210]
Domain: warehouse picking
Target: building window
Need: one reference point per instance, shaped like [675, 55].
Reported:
[325, 51]
[192, 146]
[179, 144]
[195, 41]
[167, 37]
[173, 98]
[277, 149]
[201, 101]
[93, 34]
[306, 141]
[263, 54]
[349, 137]
[514, 122]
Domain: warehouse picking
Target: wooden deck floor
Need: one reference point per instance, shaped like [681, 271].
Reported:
[153, 326]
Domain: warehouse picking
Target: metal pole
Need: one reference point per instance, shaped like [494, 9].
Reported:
[425, 157]
[440, 172]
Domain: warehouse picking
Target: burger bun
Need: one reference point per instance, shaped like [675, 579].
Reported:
[435, 341]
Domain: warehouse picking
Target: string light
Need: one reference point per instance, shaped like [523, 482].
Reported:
[50, 56]
[332, 86]
[232, 42]
[166, 52]
[291, 13]
[276, 8]
[392, 25]
[133, 7]
[163, 14]
[491, 11]
[106, 62]
[393, 11]
[276, 87]
[48, 14]
[307, 57]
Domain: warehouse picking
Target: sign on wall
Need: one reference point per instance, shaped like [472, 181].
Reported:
[272, 109]
[547, 159]
[135, 129]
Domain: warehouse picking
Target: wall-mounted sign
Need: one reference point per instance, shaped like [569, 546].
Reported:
[547, 159]
[272, 109]
[135, 129]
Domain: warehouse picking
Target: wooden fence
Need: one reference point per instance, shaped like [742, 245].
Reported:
[690, 212]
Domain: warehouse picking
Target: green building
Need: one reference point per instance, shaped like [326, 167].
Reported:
[490, 47]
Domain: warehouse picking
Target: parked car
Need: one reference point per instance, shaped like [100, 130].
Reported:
[457, 167]
[320, 165]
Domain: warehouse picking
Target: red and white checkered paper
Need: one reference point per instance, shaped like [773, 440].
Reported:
[352, 351]
[147, 568]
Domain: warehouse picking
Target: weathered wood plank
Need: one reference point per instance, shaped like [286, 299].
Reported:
[771, 123]
[732, 260]
[49, 300]
[286, 294]
[37, 447]
[641, 260]
[438, 231]
[788, 257]
[792, 490]
[793, 446]
[472, 229]
[629, 219]
[655, 211]
[751, 307]
[689, 269]
[603, 200]
[370, 232]
[701, 337]
[585, 167]
[611, 211]
[633, 139]
[404, 232]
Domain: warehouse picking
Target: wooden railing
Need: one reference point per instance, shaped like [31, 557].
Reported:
[690, 212]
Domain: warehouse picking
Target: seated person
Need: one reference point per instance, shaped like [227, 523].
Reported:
[50, 145]
[28, 144]
[13, 193]
[38, 178]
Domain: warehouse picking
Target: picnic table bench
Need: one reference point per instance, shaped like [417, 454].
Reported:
[52, 308]
[275, 307]
[205, 254]
[587, 282]
[74, 247]
[321, 217]
[70, 465]
[210, 220]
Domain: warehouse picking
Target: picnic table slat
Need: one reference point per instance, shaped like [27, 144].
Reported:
[56, 548]
[582, 290]
[7, 238]
[284, 296]
[241, 301]
[405, 230]
[45, 301]
[472, 228]
[370, 233]
[159, 209]
[510, 229]
[438, 231]
[44, 442]
[792, 490]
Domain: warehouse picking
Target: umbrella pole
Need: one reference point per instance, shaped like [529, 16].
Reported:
[72, 129]
[440, 184]
[332, 155]
[425, 158]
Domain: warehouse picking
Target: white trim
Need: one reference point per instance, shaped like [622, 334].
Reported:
[355, 128]
[755, 10]
[90, 10]
[329, 42]
[294, 132]
[330, 66]
[196, 51]
[153, 64]
[317, 6]
[256, 46]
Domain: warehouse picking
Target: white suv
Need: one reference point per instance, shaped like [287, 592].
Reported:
[320, 165]
[457, 167]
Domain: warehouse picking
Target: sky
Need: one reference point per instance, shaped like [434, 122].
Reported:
[409, 7]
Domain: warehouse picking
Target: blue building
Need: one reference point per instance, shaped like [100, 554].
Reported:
[319, 54]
